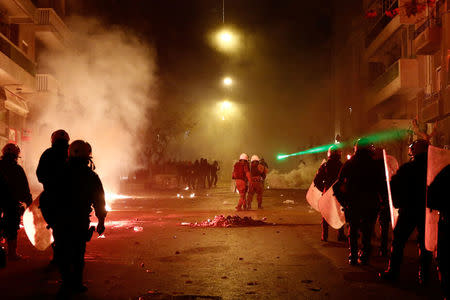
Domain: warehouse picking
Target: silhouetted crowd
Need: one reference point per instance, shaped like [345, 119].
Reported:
[199, 174]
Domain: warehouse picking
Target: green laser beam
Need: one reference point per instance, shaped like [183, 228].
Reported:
[382, 136]
[308, 151]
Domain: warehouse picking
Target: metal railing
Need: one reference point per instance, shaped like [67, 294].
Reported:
[11, 51]
[431, 99]
[387, 77]
[48, 16]
[382, 21]
[428, 23]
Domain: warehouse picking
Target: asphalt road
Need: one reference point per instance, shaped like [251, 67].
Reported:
[165, 260]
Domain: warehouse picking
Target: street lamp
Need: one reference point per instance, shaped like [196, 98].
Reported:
[225, 109]
[227, 81]
[226, 40]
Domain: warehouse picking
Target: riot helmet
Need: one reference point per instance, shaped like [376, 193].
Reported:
[243, 156]
[60, 135]
[11, 150]
[417, 147]
[334, 151]
[79, 149]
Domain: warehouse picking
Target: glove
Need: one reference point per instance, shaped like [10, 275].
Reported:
[101, 227]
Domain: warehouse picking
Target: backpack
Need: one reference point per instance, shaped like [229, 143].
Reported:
[238, 171]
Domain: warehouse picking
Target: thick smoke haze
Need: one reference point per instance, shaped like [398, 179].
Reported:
[300, 177]
[106, 88]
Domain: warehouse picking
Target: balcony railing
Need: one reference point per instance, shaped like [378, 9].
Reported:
[12, 52]
[430, 99]
[400, 79]
[428, 23]
[430, 109]
[382, 21]
[48, 17]
[427, 38]
[387, 77]
[46, 83]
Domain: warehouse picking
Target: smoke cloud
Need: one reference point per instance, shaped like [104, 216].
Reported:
[106, 88]
[301, 177]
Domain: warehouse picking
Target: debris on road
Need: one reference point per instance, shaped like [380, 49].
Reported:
[288, 201]
[229, 221]
[138, 228]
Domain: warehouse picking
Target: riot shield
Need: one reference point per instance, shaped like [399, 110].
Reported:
[36, 228]
[390, 168]
[437, 160]
[331, 210]
[313, 195]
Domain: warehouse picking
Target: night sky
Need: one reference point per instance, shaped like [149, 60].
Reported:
[282, 71]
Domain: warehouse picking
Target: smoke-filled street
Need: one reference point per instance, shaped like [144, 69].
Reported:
[147, 253]
[224, 149]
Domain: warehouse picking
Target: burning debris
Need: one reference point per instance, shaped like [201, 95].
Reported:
[229, 221]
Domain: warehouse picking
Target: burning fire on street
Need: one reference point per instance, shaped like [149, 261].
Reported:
[110, 197]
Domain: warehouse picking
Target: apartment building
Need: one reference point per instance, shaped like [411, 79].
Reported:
[390, 67]
[28, 28]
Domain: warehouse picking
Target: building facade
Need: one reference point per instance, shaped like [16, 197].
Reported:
[391, 66]
[28, 28]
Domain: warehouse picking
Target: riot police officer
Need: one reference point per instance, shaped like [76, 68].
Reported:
[325, 178]
[81, 190]
[358, 190]
[257, 174]
[241, 176]
[16, 193]
[408, 187]
[48, 172]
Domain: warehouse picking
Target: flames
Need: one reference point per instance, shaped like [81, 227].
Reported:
[110, 197]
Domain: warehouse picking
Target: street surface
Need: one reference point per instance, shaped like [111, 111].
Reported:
[166, 260]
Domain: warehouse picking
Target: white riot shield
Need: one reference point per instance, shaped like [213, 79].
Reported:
[390, 168]
[331, 210]
[313, 195]
[437, 160]
[36, 227]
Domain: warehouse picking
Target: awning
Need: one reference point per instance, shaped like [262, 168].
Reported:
[14, 102]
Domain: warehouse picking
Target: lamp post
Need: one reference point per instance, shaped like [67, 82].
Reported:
[227, 81]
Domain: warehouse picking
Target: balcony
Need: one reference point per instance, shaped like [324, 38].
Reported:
[401, 78]
[19, 11]
[384, 124]
[427, 38]
[15, 67]
[46, 83]
[382, 28]
[51, 30]
[430, 107]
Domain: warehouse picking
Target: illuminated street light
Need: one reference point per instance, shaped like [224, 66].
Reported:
[227, 81]
[225, 110]
[226, 37]
[226, 105]
[225, 40]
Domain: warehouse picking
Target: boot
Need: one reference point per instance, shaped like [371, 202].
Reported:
[392, 272]
[2, 257]
[353, 260]
[324, 236]
[363, 258]
[341, 235]
[389, 275]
